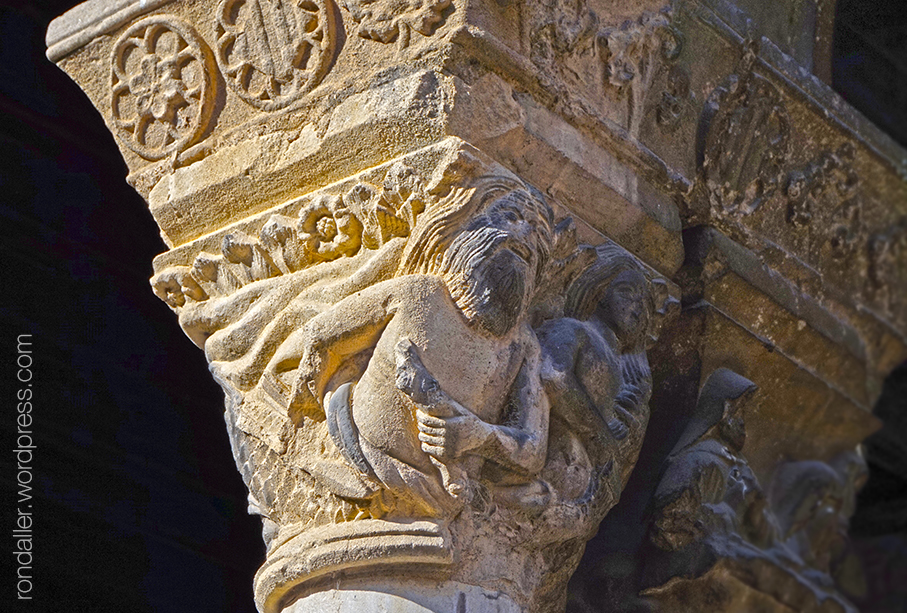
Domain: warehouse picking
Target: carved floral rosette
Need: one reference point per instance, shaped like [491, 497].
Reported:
[162, 88]
[335, 496]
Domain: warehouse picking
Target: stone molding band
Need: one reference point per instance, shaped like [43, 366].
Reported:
[87, 21]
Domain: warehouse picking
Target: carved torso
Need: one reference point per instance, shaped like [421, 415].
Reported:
[475, 370]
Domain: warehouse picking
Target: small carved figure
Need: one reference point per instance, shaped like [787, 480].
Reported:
[813, 502]
[386, 365]
[714, 525]
[597, 379]
[708, 491]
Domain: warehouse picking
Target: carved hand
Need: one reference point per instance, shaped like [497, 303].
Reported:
[447, 430]
[413, 379]
[629, 397]
[448, 438]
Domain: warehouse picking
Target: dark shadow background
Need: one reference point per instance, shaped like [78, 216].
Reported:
[138, 506]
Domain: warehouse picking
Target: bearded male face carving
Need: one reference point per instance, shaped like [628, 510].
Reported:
[386, 365]
[492, 266]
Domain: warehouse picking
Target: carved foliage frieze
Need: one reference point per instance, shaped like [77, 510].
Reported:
[573, 40]
[825, 209]
[627, 52]
[327, 227]
[273, 51]
[818, 210]
[162, 90]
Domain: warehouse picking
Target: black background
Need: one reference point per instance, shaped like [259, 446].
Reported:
[138, 505]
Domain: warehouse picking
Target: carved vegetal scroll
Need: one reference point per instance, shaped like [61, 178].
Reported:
[387, 21]
[339, 334]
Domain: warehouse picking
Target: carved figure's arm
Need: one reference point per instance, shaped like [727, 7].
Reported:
[523, 447]
[320, 347]
[566, 394]
[448, 430]
[631, 403]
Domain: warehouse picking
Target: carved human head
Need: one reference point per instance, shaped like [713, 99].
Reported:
[613, 290]
[809, 500]
[491, 249]
[719, 413]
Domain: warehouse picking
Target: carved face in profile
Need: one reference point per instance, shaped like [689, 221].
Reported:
[492, 266]
[732, 429]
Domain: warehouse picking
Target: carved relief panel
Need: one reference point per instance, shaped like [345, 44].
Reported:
[162, 89]
[425, 366]
[272, 51]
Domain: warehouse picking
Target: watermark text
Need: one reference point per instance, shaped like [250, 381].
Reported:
[24, 451]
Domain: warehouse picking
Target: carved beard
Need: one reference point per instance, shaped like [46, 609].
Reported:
[486, 280]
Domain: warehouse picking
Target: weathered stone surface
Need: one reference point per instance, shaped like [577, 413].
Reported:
[435, 254]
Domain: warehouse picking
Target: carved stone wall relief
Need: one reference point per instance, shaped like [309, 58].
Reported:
[273, 51]
[597, 59]
[387, 21]
[675, 99]
[438, 375]
[162, 87]
[722, 532]
[745, 143]
[823, 206]
[337, 335]
[887, 265]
